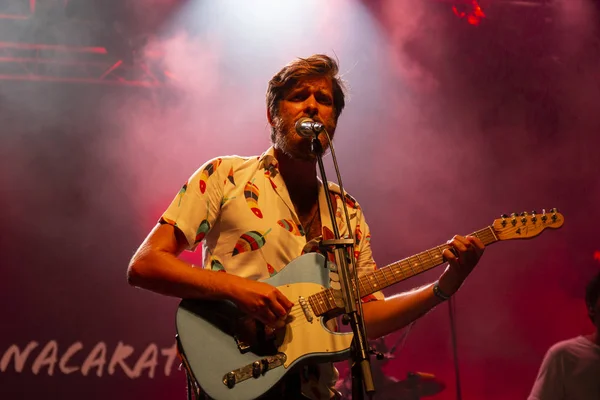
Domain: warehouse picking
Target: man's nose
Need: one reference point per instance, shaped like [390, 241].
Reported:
[310, 106]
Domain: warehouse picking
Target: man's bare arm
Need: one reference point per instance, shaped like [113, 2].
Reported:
[155, 266]
[385, 316]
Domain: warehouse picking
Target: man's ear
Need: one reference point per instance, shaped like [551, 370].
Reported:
[270, 118]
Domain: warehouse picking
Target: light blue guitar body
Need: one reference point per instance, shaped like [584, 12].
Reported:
[206, 331]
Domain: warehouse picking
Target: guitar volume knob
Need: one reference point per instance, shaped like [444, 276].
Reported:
[265, 365]
[256, 369]
[230, 379]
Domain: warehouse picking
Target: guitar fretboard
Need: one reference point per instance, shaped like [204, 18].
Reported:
[391, 274]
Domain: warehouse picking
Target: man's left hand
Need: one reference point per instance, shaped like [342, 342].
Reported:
[464, 254]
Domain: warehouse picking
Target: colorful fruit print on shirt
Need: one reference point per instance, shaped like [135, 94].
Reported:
[207, 172]
[230, 176]
[250, 241]
[182, 192]
[291, 227]
[203, 228]
[251, 194]
[216, 265]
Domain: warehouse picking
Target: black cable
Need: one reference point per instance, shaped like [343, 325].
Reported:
[451, 311]
[189, 386]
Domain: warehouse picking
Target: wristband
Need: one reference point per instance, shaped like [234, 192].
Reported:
[438, 292]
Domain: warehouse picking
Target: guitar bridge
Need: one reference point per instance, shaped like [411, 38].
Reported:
[254, 370]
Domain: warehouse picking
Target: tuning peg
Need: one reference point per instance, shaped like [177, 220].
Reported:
[504, 216]
[533, 216]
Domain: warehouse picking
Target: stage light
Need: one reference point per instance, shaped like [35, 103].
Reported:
[472, 13]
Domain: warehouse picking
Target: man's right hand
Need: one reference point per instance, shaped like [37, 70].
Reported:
[156, 267]
[261, 301]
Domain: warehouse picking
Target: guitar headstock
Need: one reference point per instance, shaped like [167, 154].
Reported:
[526, 225]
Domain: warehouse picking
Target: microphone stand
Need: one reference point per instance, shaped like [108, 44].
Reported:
[343, 249]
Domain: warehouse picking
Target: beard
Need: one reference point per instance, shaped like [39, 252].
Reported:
[295, 146]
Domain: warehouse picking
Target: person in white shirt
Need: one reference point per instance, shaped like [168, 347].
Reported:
[571, 368]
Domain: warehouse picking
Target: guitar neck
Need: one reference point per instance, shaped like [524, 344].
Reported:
[398, 271]
[413, 265]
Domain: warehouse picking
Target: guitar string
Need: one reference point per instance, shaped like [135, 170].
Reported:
[402, 267]
[405, 265]
[486, 235]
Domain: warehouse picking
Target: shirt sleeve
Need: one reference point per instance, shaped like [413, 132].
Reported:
[363, 255]
[196, 207]
[549, 384]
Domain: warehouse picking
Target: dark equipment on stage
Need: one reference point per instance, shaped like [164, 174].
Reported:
[416, 385]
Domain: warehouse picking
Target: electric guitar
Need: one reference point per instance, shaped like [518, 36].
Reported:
[228, 355]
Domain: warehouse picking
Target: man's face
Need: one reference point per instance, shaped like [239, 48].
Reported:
[312, 97]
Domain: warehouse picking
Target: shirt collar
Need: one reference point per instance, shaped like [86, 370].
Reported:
[268, 161]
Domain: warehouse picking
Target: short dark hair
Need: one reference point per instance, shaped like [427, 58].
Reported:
[592, 291]
[316, 65]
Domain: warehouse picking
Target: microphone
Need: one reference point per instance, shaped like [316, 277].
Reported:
[308, 128]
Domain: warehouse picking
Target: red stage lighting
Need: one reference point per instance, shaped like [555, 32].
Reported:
[471, 12]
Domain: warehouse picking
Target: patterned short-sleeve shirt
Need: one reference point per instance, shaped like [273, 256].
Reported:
[239, 209]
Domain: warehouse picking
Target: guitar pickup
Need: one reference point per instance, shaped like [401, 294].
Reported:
[254, 370]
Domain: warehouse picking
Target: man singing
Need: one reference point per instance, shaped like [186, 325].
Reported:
[253, 215]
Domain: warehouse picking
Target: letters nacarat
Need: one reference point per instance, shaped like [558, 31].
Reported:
[122, 359]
